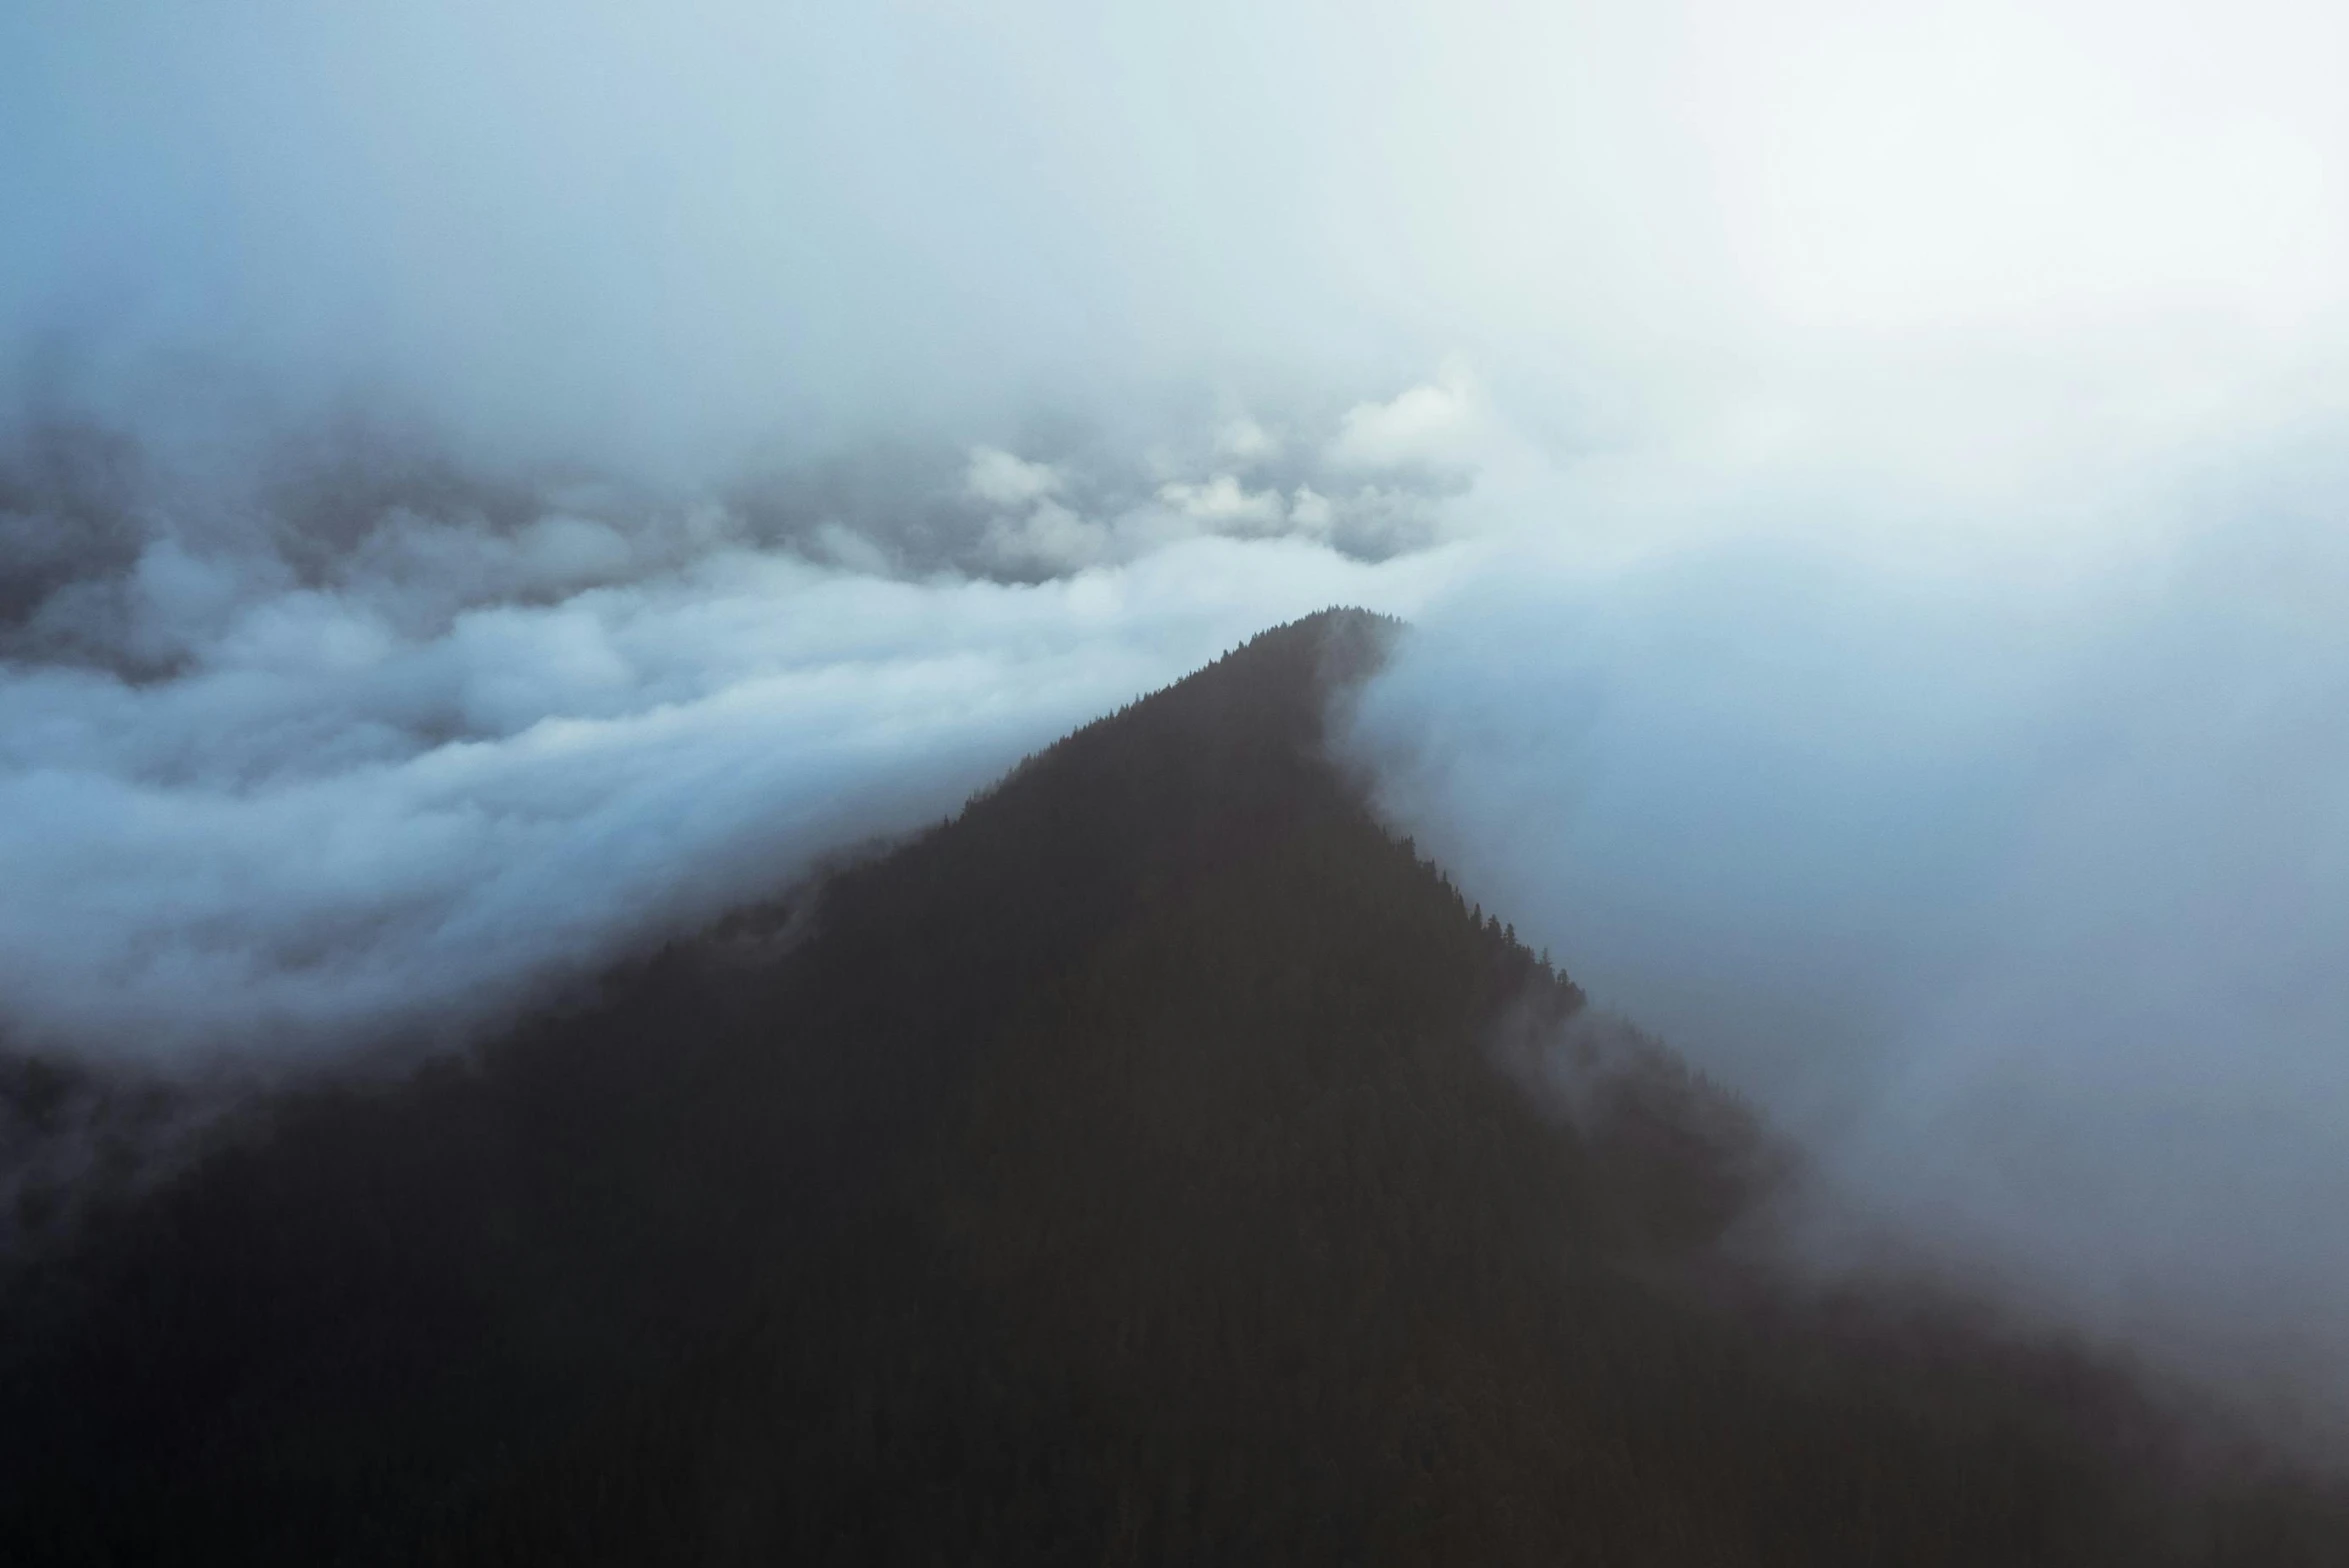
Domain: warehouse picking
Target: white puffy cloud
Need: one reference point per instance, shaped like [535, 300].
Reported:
[1003, 480]
[376, 748]
[1051, 539]
[330, 830]
[1221, 505]
[1428, 425]
[1243, 441]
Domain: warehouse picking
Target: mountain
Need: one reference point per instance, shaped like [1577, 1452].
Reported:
[1136, 1168]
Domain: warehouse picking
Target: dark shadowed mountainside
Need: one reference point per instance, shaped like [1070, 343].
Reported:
[1132, 1169]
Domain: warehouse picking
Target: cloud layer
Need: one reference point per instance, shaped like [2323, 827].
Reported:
[378, 746]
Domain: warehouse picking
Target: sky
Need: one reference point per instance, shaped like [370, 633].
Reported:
[484, 485]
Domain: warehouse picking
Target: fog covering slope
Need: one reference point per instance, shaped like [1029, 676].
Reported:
[2023, 909]
[1158, 1161]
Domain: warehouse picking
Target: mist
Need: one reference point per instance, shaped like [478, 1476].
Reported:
[485, 488]
[2021, 914]
[276, 794]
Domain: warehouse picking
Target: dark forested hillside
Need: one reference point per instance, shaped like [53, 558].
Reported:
[1125, 1171]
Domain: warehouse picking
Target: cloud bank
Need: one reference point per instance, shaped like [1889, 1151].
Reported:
[380, 746]
[2023, 912]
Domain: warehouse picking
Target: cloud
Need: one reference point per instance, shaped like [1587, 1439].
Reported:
[1220, 505]
[1428, 426]
[1311, 511]
[1244, 441]
[1051, 539]
[322, 734]
[2019, 908]
[329, 831]
[338, 738]
[1002, 480]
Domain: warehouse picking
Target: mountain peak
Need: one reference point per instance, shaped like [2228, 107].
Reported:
[1139, 1166]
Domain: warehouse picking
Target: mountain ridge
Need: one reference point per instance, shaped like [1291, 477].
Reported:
[1137, 1167]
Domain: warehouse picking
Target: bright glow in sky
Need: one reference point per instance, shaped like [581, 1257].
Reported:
[674, 233]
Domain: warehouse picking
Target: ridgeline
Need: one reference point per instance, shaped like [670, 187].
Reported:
[1121, 1172]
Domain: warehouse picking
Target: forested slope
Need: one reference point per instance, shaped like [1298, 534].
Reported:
[1120, 1172]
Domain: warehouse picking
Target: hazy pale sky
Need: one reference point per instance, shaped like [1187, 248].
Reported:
[673, 231]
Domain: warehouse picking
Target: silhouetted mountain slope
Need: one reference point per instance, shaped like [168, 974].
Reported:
[1121, 1172]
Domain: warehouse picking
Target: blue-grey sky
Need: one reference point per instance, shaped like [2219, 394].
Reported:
[481, 484]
